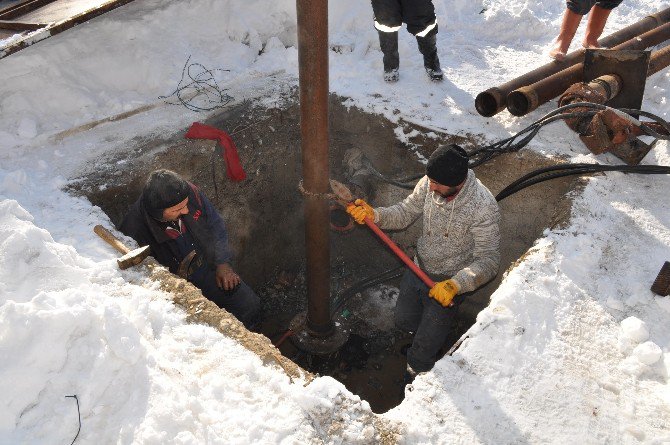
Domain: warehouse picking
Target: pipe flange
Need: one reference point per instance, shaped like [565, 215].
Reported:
[306, 340]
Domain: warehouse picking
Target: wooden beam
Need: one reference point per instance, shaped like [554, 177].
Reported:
[20, 26]
[86, 15]
[22, 8]
[58, 27]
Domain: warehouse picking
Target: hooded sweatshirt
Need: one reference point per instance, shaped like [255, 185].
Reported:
[461, 237]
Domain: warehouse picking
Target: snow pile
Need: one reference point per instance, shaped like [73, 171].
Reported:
[71, 326]
[550, 360]
[574, 347]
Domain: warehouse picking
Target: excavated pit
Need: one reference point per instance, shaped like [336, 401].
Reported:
[264, 216]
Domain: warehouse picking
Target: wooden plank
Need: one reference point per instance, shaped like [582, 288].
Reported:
[20, 26]
[61, 26]
[22, 8]
[86, 15]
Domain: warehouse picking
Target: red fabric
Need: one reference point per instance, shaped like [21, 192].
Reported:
[229, 153]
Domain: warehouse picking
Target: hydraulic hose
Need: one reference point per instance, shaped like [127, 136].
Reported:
[559, 171]
[523, 137]
[361, 285]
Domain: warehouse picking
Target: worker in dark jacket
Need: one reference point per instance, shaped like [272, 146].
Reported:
[419, 15]
[187, 235]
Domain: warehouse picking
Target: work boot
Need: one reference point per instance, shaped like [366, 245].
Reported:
[388, 42]
[431, 62]
[595, 26]
[569, 27]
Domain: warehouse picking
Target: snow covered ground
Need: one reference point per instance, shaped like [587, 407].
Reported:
[574, 348]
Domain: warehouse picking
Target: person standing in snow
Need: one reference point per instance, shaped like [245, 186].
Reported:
[459, 248]
[188, 236]
[598, 10]
[419, 15]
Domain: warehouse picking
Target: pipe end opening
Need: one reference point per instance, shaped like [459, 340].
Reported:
[489, 102]
[517, 103]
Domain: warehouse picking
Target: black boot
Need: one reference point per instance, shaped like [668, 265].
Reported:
[428, 47]
[388, 42]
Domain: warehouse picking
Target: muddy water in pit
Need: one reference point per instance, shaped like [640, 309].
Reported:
[264, 215]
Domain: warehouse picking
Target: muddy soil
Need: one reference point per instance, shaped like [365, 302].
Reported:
[264, 216]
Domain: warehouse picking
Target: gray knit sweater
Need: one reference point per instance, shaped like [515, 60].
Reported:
[460, 239]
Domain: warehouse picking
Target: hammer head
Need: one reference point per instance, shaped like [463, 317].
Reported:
[133, 257]
[341, 191]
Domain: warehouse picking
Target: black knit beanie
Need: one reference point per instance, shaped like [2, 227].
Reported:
[163, 189]
[448, 165]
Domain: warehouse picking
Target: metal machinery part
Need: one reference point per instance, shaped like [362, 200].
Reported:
[661, 285]
[309, 341]
[616, 79]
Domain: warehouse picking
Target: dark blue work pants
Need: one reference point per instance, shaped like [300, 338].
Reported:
[241, 301]
[430, 321]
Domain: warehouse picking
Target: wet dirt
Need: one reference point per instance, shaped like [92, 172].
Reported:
[264, 216]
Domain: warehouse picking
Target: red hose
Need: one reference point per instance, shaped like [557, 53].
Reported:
[283, 338]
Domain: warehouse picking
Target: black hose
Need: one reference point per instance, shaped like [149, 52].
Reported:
[656, 118]
[508, 145]
[363, 284]
[484, 154]
[523, 137]
[402, 183]
[397, 183]
[541, 171]
[559, 171]
[507, 192]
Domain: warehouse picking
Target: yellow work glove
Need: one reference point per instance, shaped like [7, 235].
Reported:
[444, 292]
[360, 210]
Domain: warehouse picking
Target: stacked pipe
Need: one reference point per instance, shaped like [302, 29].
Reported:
[494, 100]
[526, 99]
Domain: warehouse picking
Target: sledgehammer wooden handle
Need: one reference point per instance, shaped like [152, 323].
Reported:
[111, 239]
[400, 254]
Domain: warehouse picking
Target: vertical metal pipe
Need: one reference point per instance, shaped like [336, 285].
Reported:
[313, 70]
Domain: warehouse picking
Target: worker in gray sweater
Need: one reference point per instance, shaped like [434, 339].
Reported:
[459, 248]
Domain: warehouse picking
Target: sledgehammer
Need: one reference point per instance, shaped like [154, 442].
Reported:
[345, 197]
[130, 257]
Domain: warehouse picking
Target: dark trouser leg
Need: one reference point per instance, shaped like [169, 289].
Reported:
[421, 21]
[408, 308]
[431, 61]
[417, 312]
[388, 42]
[435, 325]
[241, 301]
[388, 20]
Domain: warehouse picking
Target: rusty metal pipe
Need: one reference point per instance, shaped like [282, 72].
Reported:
[494, 100]
[526, 99]
[607, 87]
[659, 59]
[313, 72]
[597, 91]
